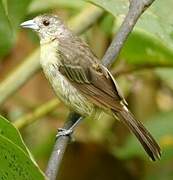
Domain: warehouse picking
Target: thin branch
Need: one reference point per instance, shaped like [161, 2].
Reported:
[19, 76]
[59, 148]
[136, 9]
[38, 113]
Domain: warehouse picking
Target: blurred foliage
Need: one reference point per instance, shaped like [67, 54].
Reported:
[104, 148]
[11, 14]
[43, 5]
[153, 32]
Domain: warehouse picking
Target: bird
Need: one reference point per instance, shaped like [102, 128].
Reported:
[79, 79]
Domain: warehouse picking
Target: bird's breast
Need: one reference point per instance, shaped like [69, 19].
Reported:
[63, 88]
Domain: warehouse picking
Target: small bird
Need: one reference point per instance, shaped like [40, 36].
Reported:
[80, 80]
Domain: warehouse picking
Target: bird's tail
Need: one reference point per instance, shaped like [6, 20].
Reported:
[147, 141]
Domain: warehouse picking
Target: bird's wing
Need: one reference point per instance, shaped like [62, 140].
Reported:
[93, 80]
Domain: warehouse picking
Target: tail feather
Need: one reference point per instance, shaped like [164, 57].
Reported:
[147, 141]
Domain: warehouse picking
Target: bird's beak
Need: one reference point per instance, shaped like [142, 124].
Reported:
[30, 24]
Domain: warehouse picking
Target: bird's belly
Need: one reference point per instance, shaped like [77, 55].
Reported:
[66, 92]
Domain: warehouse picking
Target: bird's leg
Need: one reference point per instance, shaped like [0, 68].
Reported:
[68, 131]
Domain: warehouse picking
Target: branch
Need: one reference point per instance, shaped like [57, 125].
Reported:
[19, 76]
[38, 112]
[59, 148]
[136, 8]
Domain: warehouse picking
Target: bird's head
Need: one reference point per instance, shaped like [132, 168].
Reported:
[47, 26]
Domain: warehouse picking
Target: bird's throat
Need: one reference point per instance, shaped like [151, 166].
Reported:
[49, 53]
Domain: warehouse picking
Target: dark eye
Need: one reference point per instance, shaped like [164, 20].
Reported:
[46, 22]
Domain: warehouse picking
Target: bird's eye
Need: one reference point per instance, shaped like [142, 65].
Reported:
[46, 23]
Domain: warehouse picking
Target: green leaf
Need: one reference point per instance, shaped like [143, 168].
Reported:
[151, 42]
[15, 164]
[15, 160]
[160, 126]
[10, 132]
[11, 14]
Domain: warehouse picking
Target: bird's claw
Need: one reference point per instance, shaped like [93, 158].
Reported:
[64, 132]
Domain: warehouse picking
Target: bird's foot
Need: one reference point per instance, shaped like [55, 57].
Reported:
[64, 132]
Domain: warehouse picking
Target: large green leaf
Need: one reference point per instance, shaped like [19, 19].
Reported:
[11, 14]
[15, 160]
[15, 164]
[10, 132]
[151, 42]
[161, 127]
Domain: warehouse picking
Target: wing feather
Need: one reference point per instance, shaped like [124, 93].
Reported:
[89, 76]
[94, 81]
